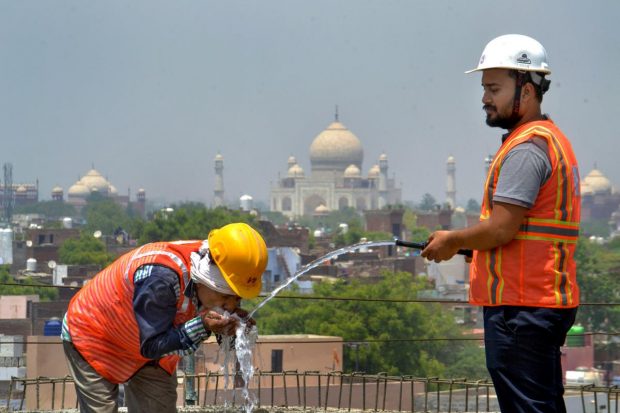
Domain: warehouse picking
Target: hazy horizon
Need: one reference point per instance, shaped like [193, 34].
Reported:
[149, 92]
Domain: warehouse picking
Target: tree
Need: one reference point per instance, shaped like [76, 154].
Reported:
[473, 206]
[598, 269]
[45, 293]
[401, 327]
[428, 202]
[105, 215]
[51, 209]
[85, 250]
[420, 234]
[190, 221]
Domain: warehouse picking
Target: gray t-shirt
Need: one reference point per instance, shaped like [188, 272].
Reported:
[524, 170]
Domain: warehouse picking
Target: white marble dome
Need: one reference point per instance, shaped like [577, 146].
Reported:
[352, 171]
[336, 148]
[596, 183]
[374, 171]
[295, 171]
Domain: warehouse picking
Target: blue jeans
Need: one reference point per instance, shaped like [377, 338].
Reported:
[522, 347]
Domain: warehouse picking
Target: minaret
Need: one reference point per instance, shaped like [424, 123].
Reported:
[291, 161]
[487, 164]
[451, 182]
[141, 202]
[218, 191]
[383, 180]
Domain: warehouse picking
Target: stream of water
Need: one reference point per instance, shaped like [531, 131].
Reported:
[245, 337]
[319, 261]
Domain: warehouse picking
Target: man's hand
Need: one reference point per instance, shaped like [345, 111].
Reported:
[442, 245]
[217, 323]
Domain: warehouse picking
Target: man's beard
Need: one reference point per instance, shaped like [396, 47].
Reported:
[504, 122]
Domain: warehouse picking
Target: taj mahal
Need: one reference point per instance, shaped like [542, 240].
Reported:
[335, 180]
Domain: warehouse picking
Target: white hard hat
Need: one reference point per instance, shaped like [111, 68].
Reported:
[514, 51]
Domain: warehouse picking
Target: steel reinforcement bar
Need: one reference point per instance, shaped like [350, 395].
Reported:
[310, 390]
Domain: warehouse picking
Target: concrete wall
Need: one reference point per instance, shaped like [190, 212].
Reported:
[47, 359]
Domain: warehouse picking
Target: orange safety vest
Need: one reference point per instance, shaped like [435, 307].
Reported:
[101, 320]
[537, 267]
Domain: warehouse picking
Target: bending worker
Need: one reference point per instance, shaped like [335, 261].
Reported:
[134, 320]
[523, 268]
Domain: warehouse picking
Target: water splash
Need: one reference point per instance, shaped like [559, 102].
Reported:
[238, 349]
[244, 344]
[318, 262]
[246, 336]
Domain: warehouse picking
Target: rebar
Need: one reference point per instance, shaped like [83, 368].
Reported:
[317, 387]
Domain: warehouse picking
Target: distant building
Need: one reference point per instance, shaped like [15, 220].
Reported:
[335, 180]
[218, 188]
[599, 199]
[23, 194]
[95, 183]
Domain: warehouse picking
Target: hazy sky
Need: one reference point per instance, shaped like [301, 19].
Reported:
[150, 91]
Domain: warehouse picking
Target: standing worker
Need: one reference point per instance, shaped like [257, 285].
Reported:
[523, 268]
[135, 319]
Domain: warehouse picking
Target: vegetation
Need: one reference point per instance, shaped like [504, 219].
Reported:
[85, 250]
[51, 209]
[473, 206]
[44, 293]
[598, 270]
[189, 221]
[404, 331]
[105, 215]
[428, 203]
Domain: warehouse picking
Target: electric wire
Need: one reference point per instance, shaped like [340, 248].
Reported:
[325, 298]
[329, 298]
[363, 341]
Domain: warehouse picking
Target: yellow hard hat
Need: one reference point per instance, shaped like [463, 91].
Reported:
[241, 255]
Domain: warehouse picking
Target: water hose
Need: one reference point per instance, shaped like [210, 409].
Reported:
[422, 245]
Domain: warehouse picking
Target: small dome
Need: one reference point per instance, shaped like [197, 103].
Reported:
[598, 183]
[336, 148]
[141, 191]
[383, 157]
[374, 172]
[21, 189]
[57, 190]
[78, 190]
[352, 171]
[321, 210]
[450, 159]
[219, 157]
[246, 197]
[112, 190]
[295, 171]
[292, 160]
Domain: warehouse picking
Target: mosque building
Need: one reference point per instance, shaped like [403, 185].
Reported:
[95, 183]
[335, 180]
[599, 199]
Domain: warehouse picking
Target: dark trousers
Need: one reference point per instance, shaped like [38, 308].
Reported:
[523, 356]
